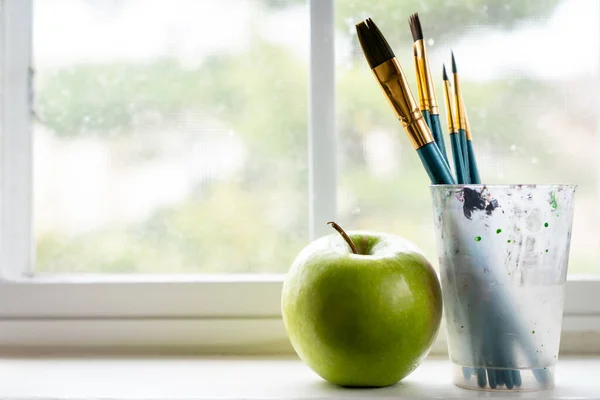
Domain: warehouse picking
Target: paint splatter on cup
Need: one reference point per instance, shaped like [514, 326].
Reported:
[503, 252]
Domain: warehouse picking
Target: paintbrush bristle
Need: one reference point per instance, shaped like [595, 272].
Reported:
[415, 27]
[444, 75]
[454, 70]
[373, 43]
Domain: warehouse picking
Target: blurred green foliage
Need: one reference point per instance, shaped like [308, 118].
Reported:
[261, 95]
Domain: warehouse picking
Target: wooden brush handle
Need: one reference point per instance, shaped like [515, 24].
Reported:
[473, 170]
[463, 146]
[433, 161]
[438, 136]
[459, 164]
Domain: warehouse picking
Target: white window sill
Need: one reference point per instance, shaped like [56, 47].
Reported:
[245, 377]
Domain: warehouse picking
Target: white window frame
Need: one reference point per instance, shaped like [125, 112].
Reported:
[225, 313]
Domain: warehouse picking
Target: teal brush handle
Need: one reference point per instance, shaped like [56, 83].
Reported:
[465, 154]
[433, 161]
[458, 157]
[438, 136]
[427, 118]
[473, 170]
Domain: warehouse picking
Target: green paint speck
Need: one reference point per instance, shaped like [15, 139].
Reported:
[532, 331]
[546, 250]
[498, 230]
[553, 203]
[478, 238]
[508, 241]
[545, 224]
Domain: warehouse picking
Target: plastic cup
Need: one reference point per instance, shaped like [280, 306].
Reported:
[503, 252]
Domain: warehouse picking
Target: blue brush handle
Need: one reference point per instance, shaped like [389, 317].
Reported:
[497, 350]
[458, 157]
[427, 118]
[433, 161]
[473, 170]
[516, 375]
[481, 378]
[438, 136]
[463, 146]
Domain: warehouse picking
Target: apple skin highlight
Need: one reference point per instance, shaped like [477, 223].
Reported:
[362, 320]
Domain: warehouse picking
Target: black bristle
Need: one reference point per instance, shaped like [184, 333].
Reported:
[444, 75]
[415, 27]
[454, 70]
[373, 43]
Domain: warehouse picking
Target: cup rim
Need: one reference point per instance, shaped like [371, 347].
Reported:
[507, 185]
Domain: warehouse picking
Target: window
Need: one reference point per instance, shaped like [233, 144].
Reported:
[162, 182]
[171, 136]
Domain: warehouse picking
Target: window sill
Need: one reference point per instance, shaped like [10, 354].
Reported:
[244, 377]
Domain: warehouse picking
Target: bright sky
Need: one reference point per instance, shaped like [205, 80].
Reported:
[564, 45]
[68, 31]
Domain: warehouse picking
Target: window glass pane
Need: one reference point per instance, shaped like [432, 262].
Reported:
[170, 135]
[530, 83]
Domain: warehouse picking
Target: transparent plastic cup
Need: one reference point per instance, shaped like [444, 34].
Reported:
[503, 253]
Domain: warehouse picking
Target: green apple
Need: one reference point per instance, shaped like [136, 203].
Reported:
[365, 319]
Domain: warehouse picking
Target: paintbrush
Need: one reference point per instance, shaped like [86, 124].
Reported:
[426, 88]
[453, 130]
[422, 92]
[389, 74]
[460, 112]
[495, 349]
[473, 170]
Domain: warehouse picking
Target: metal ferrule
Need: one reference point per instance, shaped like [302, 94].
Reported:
[423, 94]
[450, 113]
[425, 73]
[467, 125]
[458, 104]
[393, 82]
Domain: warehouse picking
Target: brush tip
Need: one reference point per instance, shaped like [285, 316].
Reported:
[415, 27]
[444, 75]
[454, 70]
[373, 43]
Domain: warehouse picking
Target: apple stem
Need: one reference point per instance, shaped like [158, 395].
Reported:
[344, 235]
